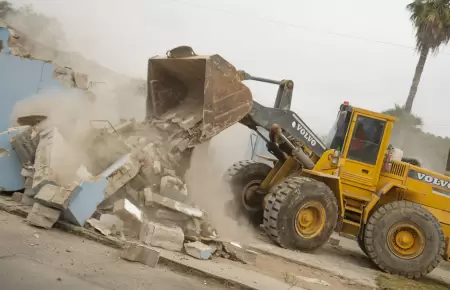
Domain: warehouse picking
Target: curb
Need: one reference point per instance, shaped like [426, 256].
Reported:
[173, 264]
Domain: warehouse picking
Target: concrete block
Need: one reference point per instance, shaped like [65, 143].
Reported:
[125, 169]
[199, 250]
[29, 192]
[127, 211]
[51, 147]
[108, 224]
[27, 172]
[112, 222]
[28, 182]
[158, 235]
[54, 196]
[240, 253]
[157, 167]
[190, 122]
[173, 187]
[135, 252]
[43, 216]
[170, 172]
[27, 200]
[153, 199]
[10, 165]
[81, 80]
[25, 145]
[17, 197]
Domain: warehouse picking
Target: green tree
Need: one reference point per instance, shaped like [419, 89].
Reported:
[431, 20]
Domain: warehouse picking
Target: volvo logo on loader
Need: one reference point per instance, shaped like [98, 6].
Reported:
[432, 180]
[304, 133]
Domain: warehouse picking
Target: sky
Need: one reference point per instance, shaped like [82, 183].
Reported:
[349, 50]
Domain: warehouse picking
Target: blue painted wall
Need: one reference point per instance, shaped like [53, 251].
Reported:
[20, 79]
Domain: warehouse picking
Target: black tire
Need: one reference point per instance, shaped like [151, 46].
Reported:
[383, 254]
[242, 175]
[287, 198]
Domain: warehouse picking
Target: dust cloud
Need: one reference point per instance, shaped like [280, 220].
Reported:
[72, 112]
[207, 188]
[76, 118]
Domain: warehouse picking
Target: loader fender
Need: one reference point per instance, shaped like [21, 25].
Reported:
[332, 181]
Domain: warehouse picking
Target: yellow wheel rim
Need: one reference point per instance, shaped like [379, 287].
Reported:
[406, 240]
[310, 219]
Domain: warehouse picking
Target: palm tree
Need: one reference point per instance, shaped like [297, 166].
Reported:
[404, 118]
[431, 19]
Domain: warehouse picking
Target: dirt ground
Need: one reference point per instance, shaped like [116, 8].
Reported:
[32, 258]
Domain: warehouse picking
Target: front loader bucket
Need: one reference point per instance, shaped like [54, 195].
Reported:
[206, 88]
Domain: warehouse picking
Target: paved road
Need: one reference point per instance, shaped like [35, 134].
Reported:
[32, 258]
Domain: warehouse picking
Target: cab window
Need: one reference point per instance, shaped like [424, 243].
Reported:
[366, 140]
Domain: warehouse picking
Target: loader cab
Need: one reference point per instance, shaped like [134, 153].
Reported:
[364, 146]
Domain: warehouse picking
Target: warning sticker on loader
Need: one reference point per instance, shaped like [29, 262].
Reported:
[440, 185]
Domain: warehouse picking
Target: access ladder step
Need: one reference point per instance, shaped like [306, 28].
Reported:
[353, 209]
[351, 222]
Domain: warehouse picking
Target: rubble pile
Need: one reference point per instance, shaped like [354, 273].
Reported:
[123, 180]
[133, 188]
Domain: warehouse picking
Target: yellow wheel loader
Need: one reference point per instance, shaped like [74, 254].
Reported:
[352, 182]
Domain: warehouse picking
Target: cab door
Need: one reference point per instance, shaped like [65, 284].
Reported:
[363, 152]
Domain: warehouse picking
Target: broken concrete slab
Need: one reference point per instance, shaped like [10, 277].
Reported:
[128, 212]
[54, 196]
[108, 224]
[96, 224]
[26, 200]
[190, 122]
[170, 172]
[240, 253]
[10, 179]
[42, 216]
[81, 80]
[65, 75]
[157, 167]
[112, 222]
[50, 145]
[27, 172]
[153, 199]
[17, 197]
[158, 235]
[173, 187]
[199, 250]
[131, 216]
[124, 169]
[136, 252]
[25, 145]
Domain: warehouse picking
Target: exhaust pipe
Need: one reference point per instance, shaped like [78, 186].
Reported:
[447, 166]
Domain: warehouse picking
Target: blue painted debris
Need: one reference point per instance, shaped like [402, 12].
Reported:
[89, 194]
[10, 177]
